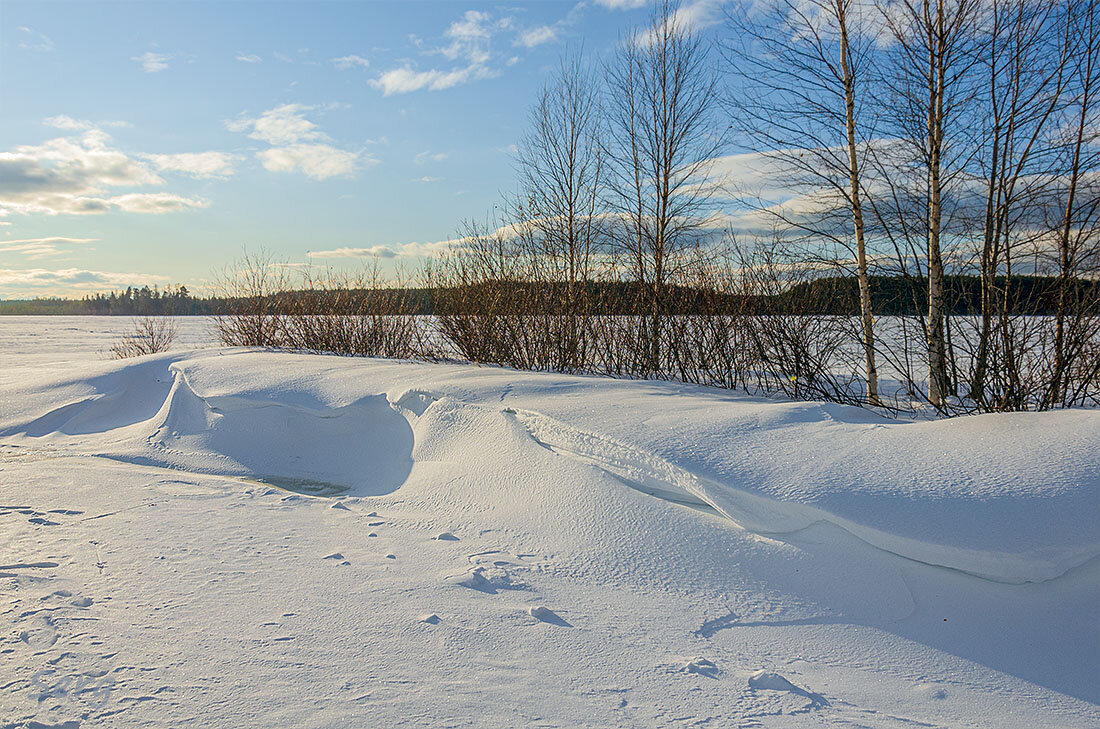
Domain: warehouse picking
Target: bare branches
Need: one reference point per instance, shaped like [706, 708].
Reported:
[908, 145]
[149, 335]
[662, 142]
[802, 71]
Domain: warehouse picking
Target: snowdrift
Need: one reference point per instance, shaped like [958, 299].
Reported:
[238, 537]
[1010, 498]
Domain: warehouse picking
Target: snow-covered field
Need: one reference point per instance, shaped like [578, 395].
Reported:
[235, 538]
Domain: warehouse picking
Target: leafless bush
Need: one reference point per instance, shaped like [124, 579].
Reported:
[149, 335]
[364, 315]
[801, 348]
[500, 301]
[254, 290]
[361, 314]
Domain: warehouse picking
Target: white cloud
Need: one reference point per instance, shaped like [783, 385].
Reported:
[17, 283]
[426, 178]
[152, 62]
[470, 36]
[284, 124]
[536, 37]
[297, 144]
[36, 248]
[196, 164]
[345, 62]
[621, 4]
[699, 14]
[426, 156]
[406, 80]
[69, 175]
[402, 250]
[248, 58]
[468, 43]
[154, 203]
[691, 16]
[474, 24]
[32, 40]
[316, 161]
[63, 121]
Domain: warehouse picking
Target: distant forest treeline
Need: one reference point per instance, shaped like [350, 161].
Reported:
[837, 295]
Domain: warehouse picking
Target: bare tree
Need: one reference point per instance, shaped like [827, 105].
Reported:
[1077, 239]
[802, 69]
[561, 171]
[1023, 62]
[929, 82]
[662, 140]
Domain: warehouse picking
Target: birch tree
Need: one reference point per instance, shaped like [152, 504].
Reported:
[802, 68]
[662, 141]
[928, 83]
[1078, 240]
[562, 175]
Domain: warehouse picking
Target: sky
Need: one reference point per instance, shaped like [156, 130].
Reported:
[156, 142]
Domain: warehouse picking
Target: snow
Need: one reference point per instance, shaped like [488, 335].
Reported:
[229, 537]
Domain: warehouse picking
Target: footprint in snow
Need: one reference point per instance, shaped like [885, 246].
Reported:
[500, 558]
[40, 634]
[546, 615]
[489, 580]
[774, 682]
[445, 537]
[701, 667]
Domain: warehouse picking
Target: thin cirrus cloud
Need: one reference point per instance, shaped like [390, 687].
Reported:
[63, 121]
[427, 156]
[31, 40]
[403, 250]
[75, 175]
[37, 248]
[536, 37]
[405, 80]
[467, 43]
[345, 63]
[298, 144]
[248, 58]
[152, 62]
[196, 164]
[18, 283]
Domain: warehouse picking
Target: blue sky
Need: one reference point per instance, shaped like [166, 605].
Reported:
[153, 142]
